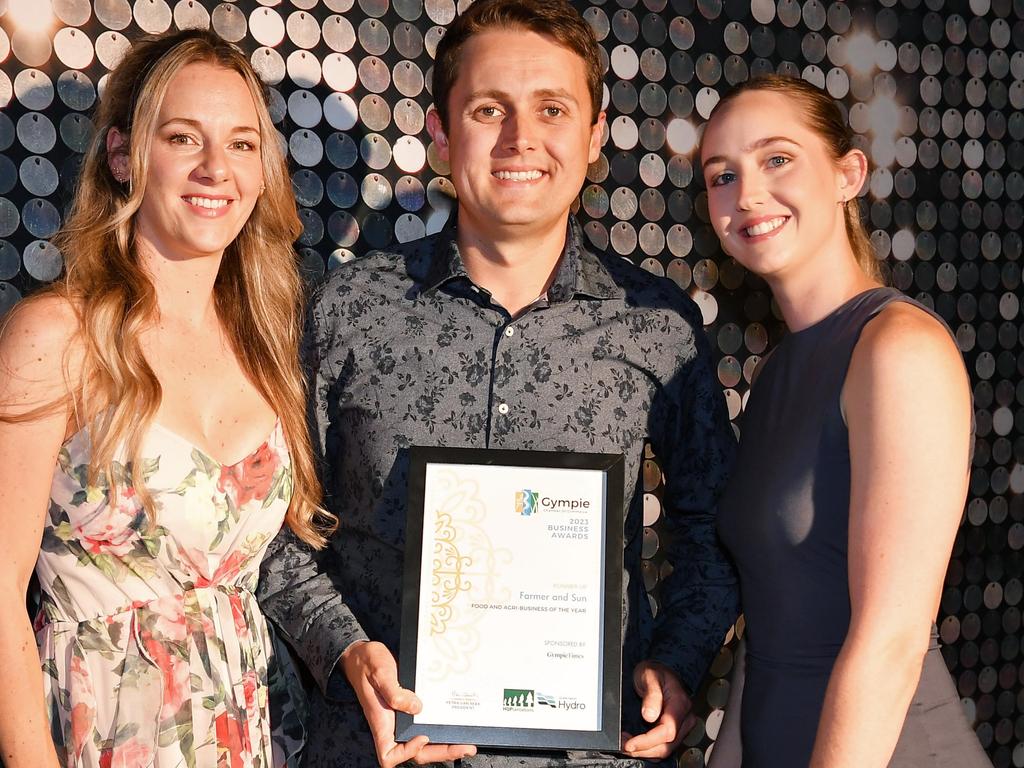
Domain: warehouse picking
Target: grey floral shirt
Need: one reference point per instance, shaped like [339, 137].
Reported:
[401, 349]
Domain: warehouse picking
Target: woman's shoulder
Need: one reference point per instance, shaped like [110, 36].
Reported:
[39, 340]
[904, 339]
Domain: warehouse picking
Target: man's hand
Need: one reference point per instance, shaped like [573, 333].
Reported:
[371, 669]
[666, 705]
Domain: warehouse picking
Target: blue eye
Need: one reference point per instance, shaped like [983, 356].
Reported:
[777, 161]
[723, 178]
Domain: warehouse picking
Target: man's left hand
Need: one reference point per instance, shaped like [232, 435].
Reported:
[666, 705]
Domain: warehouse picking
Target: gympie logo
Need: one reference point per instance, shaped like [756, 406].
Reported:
[526, 503]
[530, 502]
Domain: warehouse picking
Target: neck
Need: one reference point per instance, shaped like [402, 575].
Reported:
[515, 267]
[807, 296]
[184, 287]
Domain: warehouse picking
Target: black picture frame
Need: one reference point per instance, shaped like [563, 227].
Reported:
[608, 736]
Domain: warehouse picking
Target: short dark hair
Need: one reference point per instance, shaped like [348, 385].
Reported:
[555, 18]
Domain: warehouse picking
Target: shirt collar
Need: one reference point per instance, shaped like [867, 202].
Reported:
[580, 272]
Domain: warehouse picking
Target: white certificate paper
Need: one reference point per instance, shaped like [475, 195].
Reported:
[511, 633]
[512, 599]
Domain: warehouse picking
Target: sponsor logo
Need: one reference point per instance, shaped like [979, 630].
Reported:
[527, 700]
[518, 699]
[526, 502]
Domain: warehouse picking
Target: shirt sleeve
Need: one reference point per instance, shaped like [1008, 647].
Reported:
[296, 590]
[695, 445]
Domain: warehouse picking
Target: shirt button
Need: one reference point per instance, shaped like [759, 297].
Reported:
[503, 408]
[510, 330]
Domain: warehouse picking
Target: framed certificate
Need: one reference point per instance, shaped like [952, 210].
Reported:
[512, 601]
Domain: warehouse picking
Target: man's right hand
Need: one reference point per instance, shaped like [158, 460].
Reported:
[372, 672]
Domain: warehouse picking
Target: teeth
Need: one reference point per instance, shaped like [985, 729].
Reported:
[206, 202]
[765, 227]
[518, 175]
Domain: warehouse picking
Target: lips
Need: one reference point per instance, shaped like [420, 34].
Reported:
[531, 175]
[210, 203]
[764, 226]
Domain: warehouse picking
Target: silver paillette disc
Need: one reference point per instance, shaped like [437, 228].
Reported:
[308, 188]
[33, 89]
[374, 112]
[339, 34]
[73, 47]
[111, 48]
[410, 194]
[342, 190]
[409, 117]
[374, 74]
[9, 217]
[43, 261]
[191, 14]
[304, 108]
[40, 218]
[341, 111]
[76, 132]
[38, 176]
[36, 133]
[410, 155]
[343, 229]
[408, 40]
[304, 68]
[74, 13]
[305, 147]
[267, 26]
[303, 29]
[153, 16]
[409, 227]
[339, 72]
[76, 90]
[342, 150]
[268, 65]
[113, 14]
[408, 79]
[376, 191]
[374, 37]
[375, 151]
[229, 22]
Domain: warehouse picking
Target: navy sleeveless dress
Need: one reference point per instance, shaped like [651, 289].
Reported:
[784, 517]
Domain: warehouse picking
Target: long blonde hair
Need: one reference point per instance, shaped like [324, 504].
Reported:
[257, 291]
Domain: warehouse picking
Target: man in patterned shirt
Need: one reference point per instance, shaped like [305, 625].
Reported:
[504, 331]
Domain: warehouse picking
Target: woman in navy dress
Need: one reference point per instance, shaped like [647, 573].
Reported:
[853, 462]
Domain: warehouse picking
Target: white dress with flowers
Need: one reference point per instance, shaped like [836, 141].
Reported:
[153, 648]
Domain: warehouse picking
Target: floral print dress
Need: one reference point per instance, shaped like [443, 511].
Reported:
[153, 649]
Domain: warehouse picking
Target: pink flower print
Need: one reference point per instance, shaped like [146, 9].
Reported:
[130, 754]
[239, 616]
[83, 709]
[252, 477]
[230, 746]
[227, 572]
[111, 530]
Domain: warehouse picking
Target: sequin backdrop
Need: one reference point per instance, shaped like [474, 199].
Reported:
[933, 88]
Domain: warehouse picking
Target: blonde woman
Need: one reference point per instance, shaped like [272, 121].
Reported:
[152, 431]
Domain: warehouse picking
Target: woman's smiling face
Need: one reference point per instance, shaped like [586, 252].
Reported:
[775, 192]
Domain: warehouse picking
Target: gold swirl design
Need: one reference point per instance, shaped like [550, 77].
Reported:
[447, 574]
[463, 559]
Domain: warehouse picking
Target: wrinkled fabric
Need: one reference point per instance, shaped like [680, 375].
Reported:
[403, 349]
[153, 648]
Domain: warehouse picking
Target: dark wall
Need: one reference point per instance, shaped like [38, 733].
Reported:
[934, 89]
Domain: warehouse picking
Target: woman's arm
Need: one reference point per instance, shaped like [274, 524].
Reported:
[907, 404]
[31, 374]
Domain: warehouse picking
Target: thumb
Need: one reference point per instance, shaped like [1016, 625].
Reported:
[648, 686]
[392, 695]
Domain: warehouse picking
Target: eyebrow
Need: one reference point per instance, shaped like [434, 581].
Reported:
[543, 93]
[759, 144]
[197, 124]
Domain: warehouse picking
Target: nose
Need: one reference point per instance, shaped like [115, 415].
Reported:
[517, 133]
[750, 191]
[213, 164]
